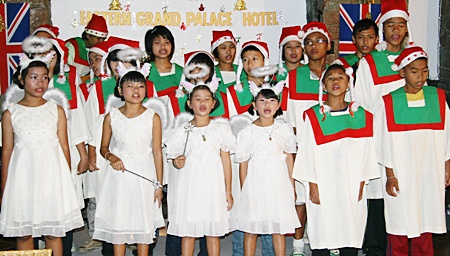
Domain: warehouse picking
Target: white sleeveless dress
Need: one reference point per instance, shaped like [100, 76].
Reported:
[126, 211]
[39, 198]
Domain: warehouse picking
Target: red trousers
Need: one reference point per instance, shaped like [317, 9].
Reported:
[420, 246]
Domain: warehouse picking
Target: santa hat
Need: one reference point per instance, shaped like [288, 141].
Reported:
[392, 9]
[131, 54]
[354, 105]
[36, 45]
[315, 26]
[265, 72]
[221, 36]
[97, 26]
[115, 43]
[101, 49]
[204, 71]
[407, 56]
[52, 30]
[60, 46]
[264, 49]
[293, 33]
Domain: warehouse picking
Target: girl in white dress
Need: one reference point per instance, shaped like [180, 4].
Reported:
[38, 196]
[264, 151]
[200, 149]
[132, 183]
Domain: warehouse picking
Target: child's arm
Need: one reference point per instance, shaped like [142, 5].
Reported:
[314, 193]
[92, 158]
[115, 162]
[226, 163]
[157, 155]
[361, 189]
[7, 147]
[447, 173]
[243, 168]
[290, 166]
[62, 134]
[391, 182]
[83, 165]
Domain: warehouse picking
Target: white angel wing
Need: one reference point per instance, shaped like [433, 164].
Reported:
[57, 96]
[13, 95]
[113, 102]
[181, 119]
[239, 122]
[160, 108]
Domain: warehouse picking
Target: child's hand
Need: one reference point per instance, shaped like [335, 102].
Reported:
[392, 183]
[230, 200]
[116, 163]
[83, 165]
[447, 173]
[314, 193]
[159, 196]
[179, 162]
[361, 189]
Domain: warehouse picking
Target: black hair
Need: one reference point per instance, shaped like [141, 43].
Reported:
[84, 35]
[203, 58]
[132, 76]
[268, 94]
[112, 56]
[215, 53]
[201, 87]
[251, 48]
[158, 31]
[284, 57]
[57, 67]
[333, 67]
[18, 74]
[365, 24]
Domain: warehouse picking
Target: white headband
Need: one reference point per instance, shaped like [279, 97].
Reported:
[277, 89]
[189, 87]
[123, 70]
[25, 61]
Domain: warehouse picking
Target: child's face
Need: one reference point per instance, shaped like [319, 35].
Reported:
[162, 47]
[293, 52]
[252, 59]
[415, 74]
[95, 62]
[196, 71]
[226, 53]
[365, 41]
[316, 46]
[133, 92]
[395, 30]
[336, 82]
[93, 40]
[36, 81]
[266, 107]
[114, 66]
[201, 102]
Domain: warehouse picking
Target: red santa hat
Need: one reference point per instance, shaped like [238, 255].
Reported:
[293, 33]
[102, 49]
[97, 26]
[315, 26]
[36, 45]
[190, 55]
[60, 46]
[115, 43]
[407, 56]
[392, 9]
[221, 36]
[264, 49]
[52, 30]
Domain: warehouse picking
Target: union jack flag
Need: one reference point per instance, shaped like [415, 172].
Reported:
[349, 14]
[16, 27]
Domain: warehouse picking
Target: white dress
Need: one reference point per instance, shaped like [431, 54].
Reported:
[200, 206]
[267, 204]
[39, 198]
[126, 211]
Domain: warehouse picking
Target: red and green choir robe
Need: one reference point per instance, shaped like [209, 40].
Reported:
[78, 55]
[349, 60]
[338, 154]
[413, 139]
[78, 131]
[375, 78]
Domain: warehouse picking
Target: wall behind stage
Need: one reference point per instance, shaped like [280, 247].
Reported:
[191, 22]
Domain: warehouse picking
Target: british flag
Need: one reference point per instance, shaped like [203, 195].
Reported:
[14, 28]
[349, 14]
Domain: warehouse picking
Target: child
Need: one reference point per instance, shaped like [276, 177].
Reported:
[264, 151]
[137, 134]
[38, 196]
[94, 33]
[413, 143]
[365, 36]
[200, 149]
[335, 158]
[303, 83]
[375, 78]
[223, 48]
[290, 51]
